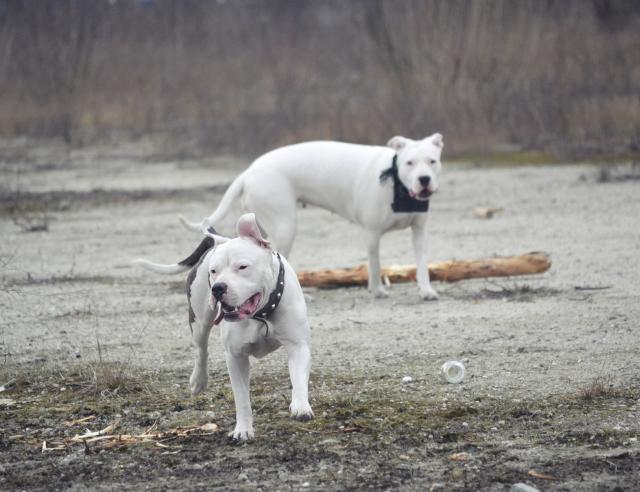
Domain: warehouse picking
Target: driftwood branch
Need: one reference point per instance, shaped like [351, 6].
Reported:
[448, 271]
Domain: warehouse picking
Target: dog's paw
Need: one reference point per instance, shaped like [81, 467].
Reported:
[428, 294]
[242, 434]
[198, 382]
[301, 411]
[380, 292]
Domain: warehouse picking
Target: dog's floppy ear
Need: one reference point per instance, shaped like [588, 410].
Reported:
[398, 143]
[248, 227]
[437, 140]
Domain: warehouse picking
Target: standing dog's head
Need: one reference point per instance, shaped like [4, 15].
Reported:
[418, 164]
[241, 272]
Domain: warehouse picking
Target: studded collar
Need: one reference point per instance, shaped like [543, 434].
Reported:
[275, 297]
[402, 201]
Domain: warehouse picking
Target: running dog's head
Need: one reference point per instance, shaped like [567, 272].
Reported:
[418, 164]
[241, 272]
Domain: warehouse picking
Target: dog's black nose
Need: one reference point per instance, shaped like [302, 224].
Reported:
[218, 289]
[424, 180]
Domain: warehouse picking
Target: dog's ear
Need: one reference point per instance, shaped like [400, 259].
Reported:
[437, 140]
[398, 143]
[248, 227]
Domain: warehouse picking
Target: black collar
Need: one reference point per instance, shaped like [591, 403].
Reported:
[274, 298]
[402, 201]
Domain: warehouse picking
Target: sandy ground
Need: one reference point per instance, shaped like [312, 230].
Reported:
[552, 361]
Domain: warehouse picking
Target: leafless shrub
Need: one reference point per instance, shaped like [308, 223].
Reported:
[244, 76]
[600, 387]
[109, 378]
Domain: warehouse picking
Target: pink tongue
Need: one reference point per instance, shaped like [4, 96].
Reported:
[412, 194]
[248, 306]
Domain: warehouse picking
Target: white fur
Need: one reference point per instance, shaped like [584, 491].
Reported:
[343, 178]
[288, 325]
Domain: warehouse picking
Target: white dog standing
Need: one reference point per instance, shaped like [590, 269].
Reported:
[254, 294]
[378, 188]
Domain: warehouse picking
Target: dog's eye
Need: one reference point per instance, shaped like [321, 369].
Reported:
[432, 161]
[213, 272]
[409, 163]
[242, 267]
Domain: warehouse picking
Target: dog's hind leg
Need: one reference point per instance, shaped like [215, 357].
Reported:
[201, 318]
[200, 337]
[275, 212]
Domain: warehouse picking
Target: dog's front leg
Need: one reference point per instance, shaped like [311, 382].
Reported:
[201, 328]
[238, 366]
[299, 366]
[419, 239]
[373, 250]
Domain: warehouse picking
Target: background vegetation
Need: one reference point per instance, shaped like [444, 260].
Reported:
[242, 76]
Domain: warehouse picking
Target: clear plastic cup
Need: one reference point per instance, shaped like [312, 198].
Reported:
[452, 371]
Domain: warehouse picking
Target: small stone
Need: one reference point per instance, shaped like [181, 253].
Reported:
[243, 476]
[522, 487]
[407, 379]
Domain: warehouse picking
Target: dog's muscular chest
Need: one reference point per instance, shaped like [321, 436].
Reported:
[397, 221]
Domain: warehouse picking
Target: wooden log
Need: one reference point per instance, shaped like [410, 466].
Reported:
[448, 271]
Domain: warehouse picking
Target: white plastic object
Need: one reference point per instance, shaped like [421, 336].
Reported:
[452, 371]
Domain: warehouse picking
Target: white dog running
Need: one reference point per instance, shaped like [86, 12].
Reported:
[254, 294]
[378, 188]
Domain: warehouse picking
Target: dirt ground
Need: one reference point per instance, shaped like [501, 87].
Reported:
[552, 392]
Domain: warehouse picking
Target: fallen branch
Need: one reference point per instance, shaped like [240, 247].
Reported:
[541, 476]
[106, 439]
[448, 271]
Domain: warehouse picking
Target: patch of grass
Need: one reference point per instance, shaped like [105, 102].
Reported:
[599, 388]
[108, 378]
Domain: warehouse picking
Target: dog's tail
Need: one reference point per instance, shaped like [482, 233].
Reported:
[229, 197]
[205, 245]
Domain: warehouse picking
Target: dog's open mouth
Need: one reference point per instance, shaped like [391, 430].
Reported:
[237, 313]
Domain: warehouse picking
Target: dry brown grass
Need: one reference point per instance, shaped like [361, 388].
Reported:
[247, 76]
[110, 378]
[600, 387]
